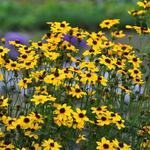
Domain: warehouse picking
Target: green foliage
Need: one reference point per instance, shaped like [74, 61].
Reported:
[32, 16]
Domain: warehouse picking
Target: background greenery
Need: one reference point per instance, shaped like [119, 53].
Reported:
[32, 15]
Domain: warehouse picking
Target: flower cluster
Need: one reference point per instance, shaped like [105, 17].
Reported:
[70, 89]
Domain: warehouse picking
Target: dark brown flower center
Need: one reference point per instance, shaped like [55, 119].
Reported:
[39, 43]
[135, 59]
[118, 63]
[26, 120]
[24, 81]
[62, 25]
[91, 50]
[24, 56]
[28, 63]
[107, 61]
[107, 23]
[1, 101]
[62, 110]
[77, 90]
[81, 115]
[103, 118]
[119, 121]
[136, 71]
[99, 108]
[106, 146]
[124, 47]
[121, 145]
[13, 65]
[56, 74]
[88, 75]
[94, 42]
[52, 144]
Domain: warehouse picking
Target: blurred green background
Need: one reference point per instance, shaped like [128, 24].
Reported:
[32, 15]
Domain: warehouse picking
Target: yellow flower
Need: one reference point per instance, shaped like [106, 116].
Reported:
[3, 101]
[87, 77]
[41, 90]
[134, 60]
[51, 55]
[12, 65]
[94, 43]
[103, 119]
[125, 89]
[80, 115]
[104, 144]
[137, 12]
[38, 75]
[120, 124]
[80, 138]
[108, 62]
[31, 135]
[145, 143]
[102, 80]
[135, 72]
[120, 145]
[118, 34]
[23, 84]
[90, 66]
[55, 78]
[91, 52]
[1, 76]
[138, 29]
[76, 91]
[59, 27]
[1, 134]
[50, 144]
[145, 4]
[3, 51]
[36, 146]
[41, 99]
[109, 23]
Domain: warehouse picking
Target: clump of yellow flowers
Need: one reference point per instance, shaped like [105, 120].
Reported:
[74, 89]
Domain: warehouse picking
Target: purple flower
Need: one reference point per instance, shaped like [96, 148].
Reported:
[83, 44]
[66, 37]
[12, 36]
[74, 41]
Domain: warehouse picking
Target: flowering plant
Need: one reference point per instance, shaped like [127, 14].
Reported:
[63, 94]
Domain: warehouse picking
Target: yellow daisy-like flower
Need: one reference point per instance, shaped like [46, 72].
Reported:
[104, 144]
[80, 138]
[12, 65]
[107, 62]
[118, 34]
[55, 78]
[125, 89]
[3, 101]
[102, 80]
[145, 4]
[3, 51]
[138, 29]
[80, 115]
[41, 90]
[59, 27]
[137, 12]
[87, 77]
[76, 91]
[23, 84]
[50, 144]
[120, 145]
[41, 99]
[135, 72]
[109, 23]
